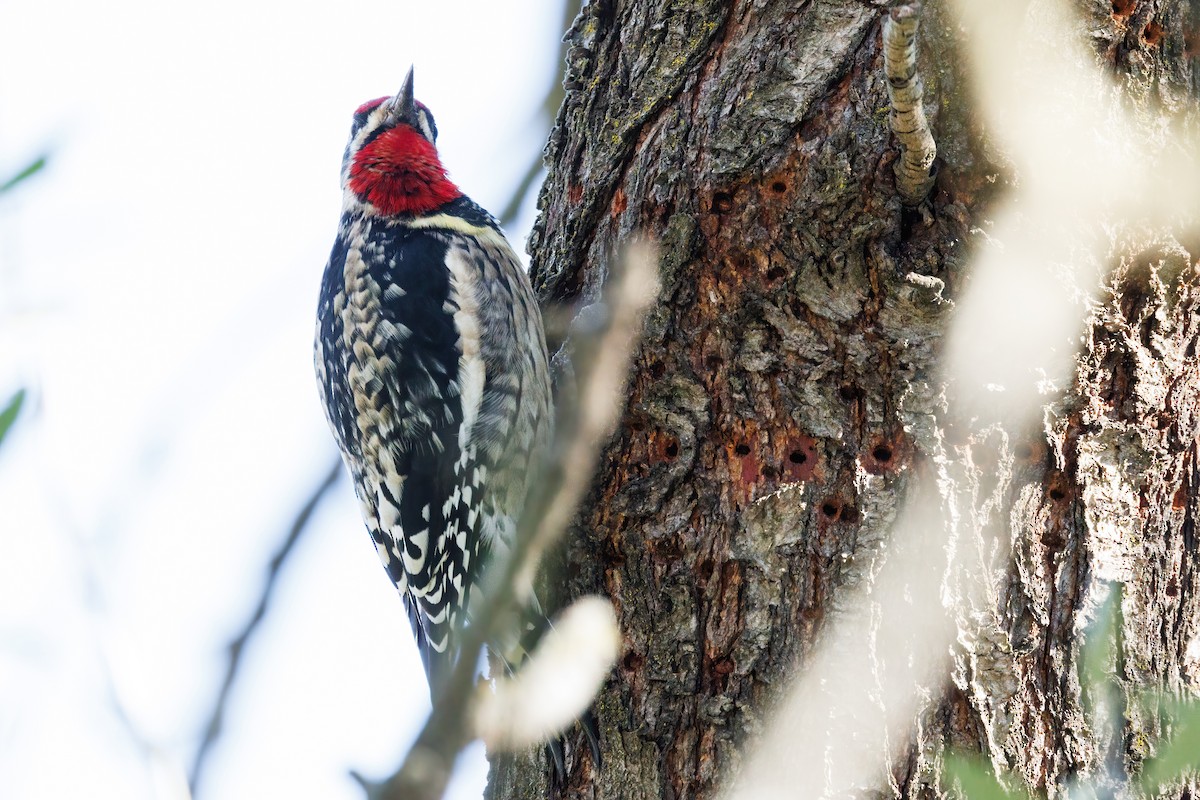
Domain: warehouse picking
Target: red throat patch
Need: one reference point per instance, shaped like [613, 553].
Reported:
[399, 173]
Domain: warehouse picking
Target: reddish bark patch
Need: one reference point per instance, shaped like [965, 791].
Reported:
[884, 455]
[708, 752]
[760, 459]
[721, 203]
[750, 468]
[665, 549]
[1054, 536]
[708, 360]
[1058, 488]
[1179, 499]
[748, 265]
[1153, 34]
[619, 202]
[724, 624]
[745, 465]
[650, 446]
[575, 193]
[801, 461]
[1123, 9]
[1031, 451]
[831, 509]
[668, 447]
[835, 509]
[739, 267]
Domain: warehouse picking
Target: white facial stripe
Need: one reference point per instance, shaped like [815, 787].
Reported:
[423, 121]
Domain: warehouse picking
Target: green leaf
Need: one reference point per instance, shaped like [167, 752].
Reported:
[1181, 754]
[974, 775]
[29, 171]
[9, 414]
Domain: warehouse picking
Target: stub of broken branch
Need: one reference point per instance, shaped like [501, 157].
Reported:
[914, 169]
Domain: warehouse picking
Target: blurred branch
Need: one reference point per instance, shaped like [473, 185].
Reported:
[513, 207]
[164, 768]
[603, 348]
[237, 647]
[34, 167]
[976, 780]
[545, 118]
[1179, 757]
[9, 415]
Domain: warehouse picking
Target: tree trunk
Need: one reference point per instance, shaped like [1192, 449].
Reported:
[786, 397]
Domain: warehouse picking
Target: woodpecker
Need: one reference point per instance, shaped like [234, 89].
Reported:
[431, 361]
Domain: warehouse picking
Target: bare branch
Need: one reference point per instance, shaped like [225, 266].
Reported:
[237, 647]
[914, 170]
[508, 215]
[603, 355]
[160, 764]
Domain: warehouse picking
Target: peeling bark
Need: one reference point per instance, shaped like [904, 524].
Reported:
[786, 394]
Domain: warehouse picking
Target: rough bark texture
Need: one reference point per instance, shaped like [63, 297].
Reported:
[786, 391]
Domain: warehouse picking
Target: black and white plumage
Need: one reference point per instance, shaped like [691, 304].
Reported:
[432, 366]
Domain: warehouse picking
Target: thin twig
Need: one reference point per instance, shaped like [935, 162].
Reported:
[513, 207]
[237, 647]
[158, 761]
[914, 169]
[603, 355]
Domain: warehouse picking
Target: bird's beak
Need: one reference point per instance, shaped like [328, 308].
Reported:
[404, 107]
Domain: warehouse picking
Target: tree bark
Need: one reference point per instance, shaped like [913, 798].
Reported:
[786, 397]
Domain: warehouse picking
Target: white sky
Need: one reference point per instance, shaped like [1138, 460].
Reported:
[157, 290]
